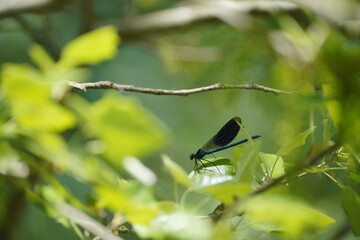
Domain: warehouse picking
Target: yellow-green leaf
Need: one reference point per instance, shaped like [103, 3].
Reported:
[29, 96]
[41, 58]
[292, 215]
[22, 82]
[351, 205]
[177, 225]
[228, 192]
[295, 142]
[271, 165]
[91, 48]
[125, 127]
[42, 116]
[176, 171]
[136, 209]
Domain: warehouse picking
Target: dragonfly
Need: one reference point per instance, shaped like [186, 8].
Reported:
[220, 141]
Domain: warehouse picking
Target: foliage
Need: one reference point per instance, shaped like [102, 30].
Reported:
[110, 145]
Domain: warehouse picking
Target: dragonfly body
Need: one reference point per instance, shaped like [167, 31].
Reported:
[221, 140]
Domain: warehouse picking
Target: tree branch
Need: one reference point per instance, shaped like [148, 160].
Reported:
[86, 222]
[231, 12]
[12, 7]
[308, 162]
[180, 92]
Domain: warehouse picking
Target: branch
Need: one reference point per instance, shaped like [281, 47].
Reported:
[13, 7]
[180, 92]
[86, 222]
[231, 12]
[231, 210]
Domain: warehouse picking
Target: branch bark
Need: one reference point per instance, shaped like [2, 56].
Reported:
[13, 7]
[231, 12]
[180, 92]
[85, 221]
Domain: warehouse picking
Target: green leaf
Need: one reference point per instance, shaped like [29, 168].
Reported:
[125, 127]
[295, 142]
[30, 100]
[44, 116]
[206, 179]
[176, 171]
[41, 58]
[218, 166]
[351, 205]
[245, 159]
[326, 133]
[271, 165]
[22, 82]
[292, 215]
[134, 201]
[91, 48]
[223, 231]
[228, 192]
[177, 225]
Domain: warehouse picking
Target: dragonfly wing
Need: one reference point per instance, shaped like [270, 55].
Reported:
[225, 135]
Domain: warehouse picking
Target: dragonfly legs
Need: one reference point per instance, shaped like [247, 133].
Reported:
[204, 167]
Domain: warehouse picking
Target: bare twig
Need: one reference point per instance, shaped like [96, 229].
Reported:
[180, 92]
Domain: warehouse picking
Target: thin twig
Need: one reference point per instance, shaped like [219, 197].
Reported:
[180, 92]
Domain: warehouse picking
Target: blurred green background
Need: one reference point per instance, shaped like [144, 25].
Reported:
[297, 49]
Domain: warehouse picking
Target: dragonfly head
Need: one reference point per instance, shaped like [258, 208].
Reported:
[192, 156]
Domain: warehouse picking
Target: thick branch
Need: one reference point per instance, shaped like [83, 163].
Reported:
[231, 12]
[12, 7]
[181, 92]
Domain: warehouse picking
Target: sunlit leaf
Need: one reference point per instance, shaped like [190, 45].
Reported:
[295, 142]
[137, 208]
[91, 48]
[228, 192]
[177, 225]
[271, 165]
[294, 216]
[245, 159]
[125, 127]
[52, 148]
[176, 171]
[223, 231]
[351, 205]
[42, 116]
[22, 82]
[30, 98]
[207, 179]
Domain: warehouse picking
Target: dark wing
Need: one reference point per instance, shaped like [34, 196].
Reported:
[225, 135]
